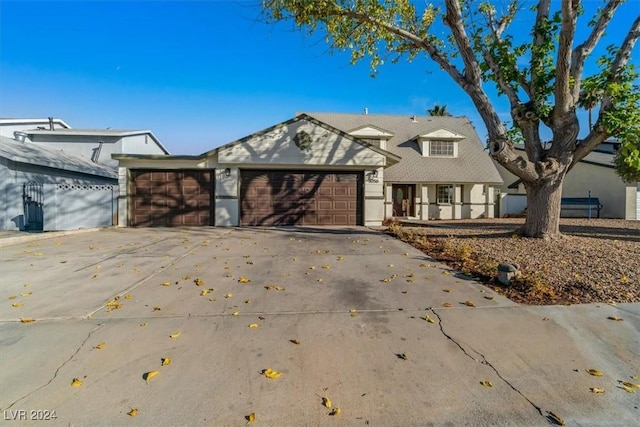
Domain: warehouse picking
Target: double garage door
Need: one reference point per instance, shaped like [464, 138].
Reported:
[185, 198]
[300, 198]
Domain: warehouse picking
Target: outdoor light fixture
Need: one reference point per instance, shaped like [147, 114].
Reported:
[227, 172]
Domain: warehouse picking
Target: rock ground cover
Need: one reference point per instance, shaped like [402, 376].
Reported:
[596, 260]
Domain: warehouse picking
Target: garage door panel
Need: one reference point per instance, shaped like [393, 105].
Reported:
[171, 198]
[290, 198]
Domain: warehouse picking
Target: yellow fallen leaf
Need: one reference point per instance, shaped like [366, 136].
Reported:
[428, 319]
[626, 388]
[594, 372]
[148, 375]
[165, 361]
[326, 267]
[143, 324]
[26, 294]
[335, 411]
[446, 273]
[446, 304]
[296, 342]
[27, 320]
[228, 295]
[489, 297]
[313, 267]
[99, 346]
[469, 303]
[386, 280]
[175, 335]
[243, 279]
[250, 418]
[204, 292]
[446, 290]
[133, 412]
[271, 374]
[127, 296]
[13, 297]
[353, 312]
[198, 282]
[628, 384]
[279, 288]
[248, 301]
[597, 390]
[76, 383]
[253, 325]
[402, 356]
[486, 383]
[166, 283]
[326, 402]
[16, 304]
[156, 308]
[339, 258]
[616, 318]
[270, 287]
[235, 313]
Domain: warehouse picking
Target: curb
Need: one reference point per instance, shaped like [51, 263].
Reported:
[30, 237]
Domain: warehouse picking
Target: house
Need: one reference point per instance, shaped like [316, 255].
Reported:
[45, 189]
[594, 176]
[95, 144]
[316, 169]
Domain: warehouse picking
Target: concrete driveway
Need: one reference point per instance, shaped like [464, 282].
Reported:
[348, 314]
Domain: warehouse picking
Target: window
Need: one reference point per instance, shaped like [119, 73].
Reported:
[441, 148]
[444, 194]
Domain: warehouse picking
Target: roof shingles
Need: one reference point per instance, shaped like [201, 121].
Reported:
[473, 164]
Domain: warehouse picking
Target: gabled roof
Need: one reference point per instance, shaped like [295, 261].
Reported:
[473, 164]
[98, 132]
[392, 158]
[369, 131]
[442, 134]
[34, 154]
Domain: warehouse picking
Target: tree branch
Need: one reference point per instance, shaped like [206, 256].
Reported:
[597, 135]
[563, 99]
[581, 52]
[537, 65]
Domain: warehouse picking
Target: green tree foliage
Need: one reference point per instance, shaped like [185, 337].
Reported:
[439, 110]
[476, 43]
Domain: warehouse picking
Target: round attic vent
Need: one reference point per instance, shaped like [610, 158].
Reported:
[302, 140]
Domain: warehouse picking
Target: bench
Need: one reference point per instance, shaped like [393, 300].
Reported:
[581, 203]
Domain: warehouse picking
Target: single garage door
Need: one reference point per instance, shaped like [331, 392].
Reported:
[300, 198]
[171, 197]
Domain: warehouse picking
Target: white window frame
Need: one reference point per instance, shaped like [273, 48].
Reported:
[447, 196]
[440, 148]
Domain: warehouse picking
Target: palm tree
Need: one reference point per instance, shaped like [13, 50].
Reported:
[590, 100]
[438, 110]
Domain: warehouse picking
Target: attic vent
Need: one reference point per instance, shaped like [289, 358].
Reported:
[19, 136]
[302, 140]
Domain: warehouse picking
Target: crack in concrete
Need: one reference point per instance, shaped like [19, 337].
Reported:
[55, 375]
[483, 360]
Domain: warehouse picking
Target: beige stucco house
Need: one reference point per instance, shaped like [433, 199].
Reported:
[317, 169]
[594, 176]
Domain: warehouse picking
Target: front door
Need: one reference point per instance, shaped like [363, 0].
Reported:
[403, 196]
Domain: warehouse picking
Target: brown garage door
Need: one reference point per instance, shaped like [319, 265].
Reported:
[300, 198]
[171, 198]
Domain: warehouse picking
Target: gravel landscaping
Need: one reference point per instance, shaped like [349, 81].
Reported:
[597, 260]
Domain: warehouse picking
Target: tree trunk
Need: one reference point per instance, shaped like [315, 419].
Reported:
[543, 208]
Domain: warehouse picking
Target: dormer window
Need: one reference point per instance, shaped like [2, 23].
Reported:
[441, 149]
[439, 143]
[372, 134]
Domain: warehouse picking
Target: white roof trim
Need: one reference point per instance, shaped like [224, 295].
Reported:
[369, 131]
[442, 134]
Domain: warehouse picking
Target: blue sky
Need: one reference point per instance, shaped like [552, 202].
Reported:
[198, 73]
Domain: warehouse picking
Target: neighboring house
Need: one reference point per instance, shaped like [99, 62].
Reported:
[43, 189]
[317, 169]
[96, 145]
[595, 175]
